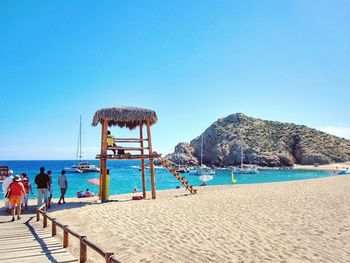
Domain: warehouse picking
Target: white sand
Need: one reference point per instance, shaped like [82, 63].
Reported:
[329, 167]
[298, 221]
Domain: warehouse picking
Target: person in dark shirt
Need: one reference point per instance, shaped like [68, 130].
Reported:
[42, 181]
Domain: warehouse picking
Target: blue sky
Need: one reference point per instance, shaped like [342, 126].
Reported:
[191, 61]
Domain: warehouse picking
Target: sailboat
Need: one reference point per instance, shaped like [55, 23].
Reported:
[81, 166]
[203, 171]
[245, 169]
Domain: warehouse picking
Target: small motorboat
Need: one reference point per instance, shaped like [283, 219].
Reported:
[344, 172]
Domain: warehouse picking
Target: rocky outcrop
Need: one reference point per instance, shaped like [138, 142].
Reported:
[183, 154]
[266, 143]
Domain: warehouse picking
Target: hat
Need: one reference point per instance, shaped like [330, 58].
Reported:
[17, 178]
[10, 172]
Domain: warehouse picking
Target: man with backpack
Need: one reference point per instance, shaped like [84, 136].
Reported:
[27, 188]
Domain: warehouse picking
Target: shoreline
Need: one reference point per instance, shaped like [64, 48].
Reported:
[325, 167]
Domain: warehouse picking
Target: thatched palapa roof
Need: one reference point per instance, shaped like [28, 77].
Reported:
[129, 117]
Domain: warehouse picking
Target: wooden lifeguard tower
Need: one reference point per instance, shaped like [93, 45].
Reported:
[131, 118]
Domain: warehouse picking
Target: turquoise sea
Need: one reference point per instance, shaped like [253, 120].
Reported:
[123, 178]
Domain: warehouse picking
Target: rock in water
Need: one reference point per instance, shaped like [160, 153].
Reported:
[265, 143]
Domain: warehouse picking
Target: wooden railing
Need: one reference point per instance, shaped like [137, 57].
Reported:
[84, 242]
[127, 140]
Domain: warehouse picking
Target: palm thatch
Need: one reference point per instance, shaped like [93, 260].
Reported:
[129, 117]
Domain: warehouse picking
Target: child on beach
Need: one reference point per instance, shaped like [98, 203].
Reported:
[27, 188]
[16, 190]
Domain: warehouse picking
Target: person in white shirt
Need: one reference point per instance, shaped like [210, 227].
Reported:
[5, 185]
[63, 183]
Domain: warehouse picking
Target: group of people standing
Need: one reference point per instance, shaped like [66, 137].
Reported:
[16, 190]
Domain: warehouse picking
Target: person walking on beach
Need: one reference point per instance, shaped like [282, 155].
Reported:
[5, 185]
[16, 190]
[49, 173]
[42, 182]
[63, 184]
[27, 188]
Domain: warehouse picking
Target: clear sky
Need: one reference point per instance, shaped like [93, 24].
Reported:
[191, 61]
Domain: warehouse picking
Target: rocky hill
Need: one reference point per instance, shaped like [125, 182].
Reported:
[265, 143]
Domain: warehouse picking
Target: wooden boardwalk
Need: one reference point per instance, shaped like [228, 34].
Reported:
[26, 241]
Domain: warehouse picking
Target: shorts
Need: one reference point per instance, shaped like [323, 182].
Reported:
[16, 199]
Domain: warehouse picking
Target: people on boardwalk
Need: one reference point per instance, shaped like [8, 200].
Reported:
[110, 141]
[63, 184]
[16, 190]
[42, 181]
[27, 189]
[49, 173]
[5, 184]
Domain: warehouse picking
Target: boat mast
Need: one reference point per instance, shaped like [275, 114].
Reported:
[80, 140]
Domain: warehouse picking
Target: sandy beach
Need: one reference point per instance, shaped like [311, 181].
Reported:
[296, 221]
[327, 167]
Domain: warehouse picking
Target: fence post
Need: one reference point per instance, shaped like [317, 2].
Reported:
[108, 255]
[83, 251]
[65, 237]
[37, 215]
[53, 228]
[44, 220]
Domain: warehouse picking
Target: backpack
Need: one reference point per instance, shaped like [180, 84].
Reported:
[26, 184]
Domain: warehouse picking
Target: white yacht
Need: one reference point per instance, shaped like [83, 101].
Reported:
[81, 166]
[202, 169]
[245, 169]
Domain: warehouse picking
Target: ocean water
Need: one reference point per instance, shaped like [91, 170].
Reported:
[123, 178]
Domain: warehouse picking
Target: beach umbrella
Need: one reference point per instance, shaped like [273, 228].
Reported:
[205, 178]
[94, 181]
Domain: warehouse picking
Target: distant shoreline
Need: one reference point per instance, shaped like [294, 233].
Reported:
[325, 167]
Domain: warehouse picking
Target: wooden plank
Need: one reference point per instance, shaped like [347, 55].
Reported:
[129, 139]
[127, 156]
[103, 162]
[44, 220]
[83, 250]
[30, 243]
[153, 184]
[72, 232]
[37, 215]
[65, 238]
[94, 247]
[108, 255]
[112, 259]
[144, 190]
[128, 148]
[53, 228]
